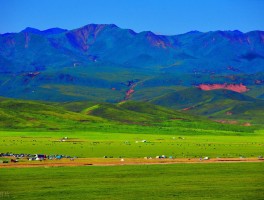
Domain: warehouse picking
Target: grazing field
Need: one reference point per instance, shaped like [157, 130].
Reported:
[127, 145]
[180, 181]
[125, 133]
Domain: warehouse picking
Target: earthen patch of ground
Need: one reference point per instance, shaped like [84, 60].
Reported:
[117, 161]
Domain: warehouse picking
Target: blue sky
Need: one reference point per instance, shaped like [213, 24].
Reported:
[167, 17]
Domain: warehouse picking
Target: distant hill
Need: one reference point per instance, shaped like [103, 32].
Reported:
[216, 104]
[127, 116]
[102, 62]
[135, 112]
[20, 114]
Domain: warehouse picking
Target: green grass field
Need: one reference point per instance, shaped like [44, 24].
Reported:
[128, 130]
[180, 181]
[99, 144]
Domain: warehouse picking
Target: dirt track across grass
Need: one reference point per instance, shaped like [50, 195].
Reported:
[118, 161]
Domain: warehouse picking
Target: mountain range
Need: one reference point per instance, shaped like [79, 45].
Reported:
[105, 63]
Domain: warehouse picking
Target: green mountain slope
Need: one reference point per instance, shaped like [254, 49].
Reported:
[127, 116]
[146, 114]
[32, 114]
[135, 112]
[217, 104]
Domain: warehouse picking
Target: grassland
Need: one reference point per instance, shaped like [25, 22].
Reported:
[99, 144]
[127, 130]
[103, 129]
[181, 181]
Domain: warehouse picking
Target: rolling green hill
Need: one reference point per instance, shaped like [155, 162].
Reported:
[33, 114]
[129, 116]
[136, 112]
[216, 104]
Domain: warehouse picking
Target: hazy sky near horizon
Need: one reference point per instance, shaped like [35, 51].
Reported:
[166, 17]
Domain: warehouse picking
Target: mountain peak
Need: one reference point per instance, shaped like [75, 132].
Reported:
[45, 32]
[30, 30]
[193, 32]
[99, 26]
[85, 36]
[54, 31]
[156, 40]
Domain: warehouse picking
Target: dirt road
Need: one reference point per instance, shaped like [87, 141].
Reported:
[116, 162]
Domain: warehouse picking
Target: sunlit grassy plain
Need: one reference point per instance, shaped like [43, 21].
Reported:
[128, 131]
[99, 144]
[179, 181]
